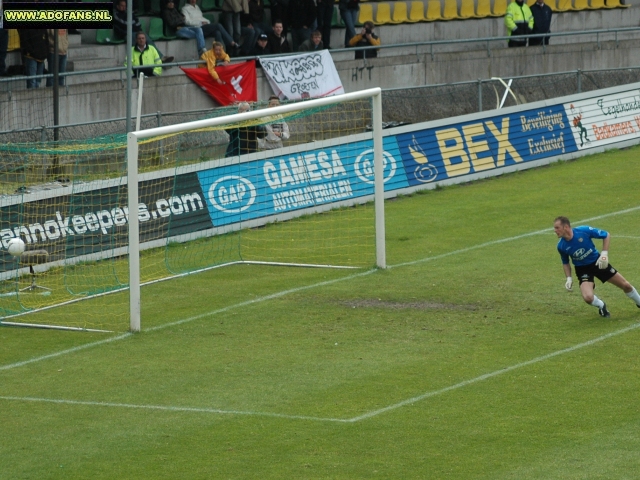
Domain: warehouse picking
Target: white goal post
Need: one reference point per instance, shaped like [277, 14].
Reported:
[133, 139]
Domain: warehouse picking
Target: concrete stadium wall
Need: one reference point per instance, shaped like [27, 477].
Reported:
[395, 68]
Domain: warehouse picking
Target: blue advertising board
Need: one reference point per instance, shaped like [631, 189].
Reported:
[296, 181]
[459, 149]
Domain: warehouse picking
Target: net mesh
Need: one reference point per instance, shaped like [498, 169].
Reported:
[204, 200]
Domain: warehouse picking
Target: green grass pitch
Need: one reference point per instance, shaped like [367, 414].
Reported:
[466, 359]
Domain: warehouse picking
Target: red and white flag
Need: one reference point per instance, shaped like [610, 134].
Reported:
[239, 85]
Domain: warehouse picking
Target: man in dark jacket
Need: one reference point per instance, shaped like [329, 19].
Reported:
[278, 40]
[34, 46]
[244, 140]
[261, 47]
[302, 20]
[541, 22]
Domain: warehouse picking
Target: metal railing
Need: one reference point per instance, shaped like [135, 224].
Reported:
[417, 47]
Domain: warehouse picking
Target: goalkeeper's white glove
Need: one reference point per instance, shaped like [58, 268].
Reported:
[603, 261]
[569, 283]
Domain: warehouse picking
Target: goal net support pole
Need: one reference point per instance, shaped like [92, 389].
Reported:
[375, 94]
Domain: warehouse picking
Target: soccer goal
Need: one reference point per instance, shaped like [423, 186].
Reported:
[300, 201]
[300, 184]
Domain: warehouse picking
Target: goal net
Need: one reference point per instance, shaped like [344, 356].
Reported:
[287, 185]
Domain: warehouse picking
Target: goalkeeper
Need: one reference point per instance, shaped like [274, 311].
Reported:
[576, 243]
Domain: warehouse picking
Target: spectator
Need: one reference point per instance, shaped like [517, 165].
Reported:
[518, 21]
[278, 40]
[365, 38]
[143, 53]
[34, 46]
[249, 35]
[193, 18]
[231, 10]
[277, 129]
[176, 22]
[313, 44]
[262, 47]
[349, 12]
[214, 58]
[302, 20]
[120, 27]
[279, 11]
[541, 22]
[244, 140]
[255, 19]
[4, 44]
[63, 46]
[324, 14]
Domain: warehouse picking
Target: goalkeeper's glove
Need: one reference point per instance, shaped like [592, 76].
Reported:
[603, 261]
[569, 283]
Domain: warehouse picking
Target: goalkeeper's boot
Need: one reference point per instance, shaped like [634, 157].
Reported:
[603, 311]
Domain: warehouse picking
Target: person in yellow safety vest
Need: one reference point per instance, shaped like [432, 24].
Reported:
[144, 54]
[519, 21]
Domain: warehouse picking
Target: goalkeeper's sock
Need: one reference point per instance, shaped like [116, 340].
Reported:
[633, 295]
[597, 302]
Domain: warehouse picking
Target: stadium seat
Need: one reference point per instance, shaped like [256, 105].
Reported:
[144, 24]
[336, 19]
[484, 9]
[450, 10]
[563, 6]
[208, 5]
[616, 4]
[156, 30]
[467, 9]
[499, 8]
[581, 5]
[105, 36]
[14, 40]
[366, 13]
[400, 14]
[434, 10]
[156, 9]
[383, 14]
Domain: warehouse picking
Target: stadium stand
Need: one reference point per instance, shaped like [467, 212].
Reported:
[209, 5]
[500, 8]
[336, 20]
[582, 5]
[156, 30]
[383, 14]
[366, 13]
[434, 11]
[105, 36]
[400, 14]
[450, 10]
[484, 9]
[468, 9]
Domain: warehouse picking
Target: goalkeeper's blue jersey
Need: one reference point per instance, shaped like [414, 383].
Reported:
[580, 248]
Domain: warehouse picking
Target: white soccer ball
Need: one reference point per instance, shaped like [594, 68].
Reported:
[15, 247]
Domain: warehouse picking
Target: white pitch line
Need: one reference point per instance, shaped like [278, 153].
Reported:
[320, 284]
[359, 418]
[172, 408]
[486, 376]
[64, 352]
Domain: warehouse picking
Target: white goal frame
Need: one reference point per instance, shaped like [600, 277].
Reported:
[132, 176]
